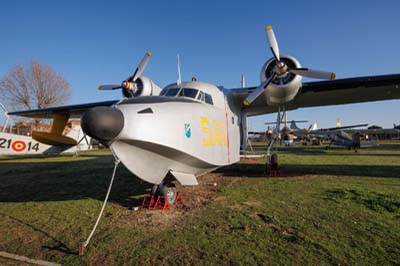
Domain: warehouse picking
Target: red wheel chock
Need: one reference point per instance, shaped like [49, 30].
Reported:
[159, 202]
[275, 172]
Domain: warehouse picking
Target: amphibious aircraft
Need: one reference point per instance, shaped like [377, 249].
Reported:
[190, 128]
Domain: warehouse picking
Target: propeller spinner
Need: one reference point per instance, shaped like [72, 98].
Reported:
[130, 83]
[281, 69]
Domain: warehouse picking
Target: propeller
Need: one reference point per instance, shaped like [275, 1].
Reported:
[130, 83]
[258, 91]
[282, 69]
[312, 73]
[273, 44]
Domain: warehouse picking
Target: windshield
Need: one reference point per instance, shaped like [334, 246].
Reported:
[172, 92]
[190, 93]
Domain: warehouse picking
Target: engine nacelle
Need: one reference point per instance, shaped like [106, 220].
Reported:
[143, 87]
[283, 87]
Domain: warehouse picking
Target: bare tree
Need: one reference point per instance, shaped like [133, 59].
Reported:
[34, 86]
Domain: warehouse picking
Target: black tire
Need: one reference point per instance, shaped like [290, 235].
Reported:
[168, 190]
[154, 190]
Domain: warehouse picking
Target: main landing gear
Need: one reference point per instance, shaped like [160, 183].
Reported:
[167, 190]
[272, 166]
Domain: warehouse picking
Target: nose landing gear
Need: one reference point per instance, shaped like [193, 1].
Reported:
[165, 189]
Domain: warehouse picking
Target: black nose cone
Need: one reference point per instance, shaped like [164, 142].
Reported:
[103, 123]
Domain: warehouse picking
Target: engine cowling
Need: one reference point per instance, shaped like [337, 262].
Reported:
[143, 87]
[283, 87]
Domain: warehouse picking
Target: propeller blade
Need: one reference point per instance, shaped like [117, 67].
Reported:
[273, 44]
[312, 73]
[258, 91]
[139, 70]
[109, 87]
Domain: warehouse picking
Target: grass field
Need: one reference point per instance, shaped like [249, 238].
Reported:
[332, 207]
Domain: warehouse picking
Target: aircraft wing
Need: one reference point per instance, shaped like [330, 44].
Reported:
[73, 111]
[338, 128]
[350, 90]
[332, 92]
[377, 131]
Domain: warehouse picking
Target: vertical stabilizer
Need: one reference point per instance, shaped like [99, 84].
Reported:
[293, 125]
[338, 124]
[314, 126]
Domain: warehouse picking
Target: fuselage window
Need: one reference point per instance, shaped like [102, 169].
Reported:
[208, 99]
[172, 92]
[190, 93]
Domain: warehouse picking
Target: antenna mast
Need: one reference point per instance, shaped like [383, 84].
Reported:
[179, 71]
[243, 82]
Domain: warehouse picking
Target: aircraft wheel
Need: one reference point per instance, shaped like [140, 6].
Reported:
[168, 190]
[154, 190]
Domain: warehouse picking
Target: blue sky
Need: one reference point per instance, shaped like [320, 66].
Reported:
[99, 42]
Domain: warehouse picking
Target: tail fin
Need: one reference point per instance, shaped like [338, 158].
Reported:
[293, 125]
[314, 126]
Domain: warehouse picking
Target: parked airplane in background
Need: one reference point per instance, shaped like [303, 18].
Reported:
[17, 144]
[339, 137]
[13, 144]
[191, 128]
[286, 134]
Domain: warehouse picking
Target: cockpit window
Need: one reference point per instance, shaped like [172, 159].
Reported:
[200, 97]
[163, 92]
[190, 93]
[172, 92]
[208, 99]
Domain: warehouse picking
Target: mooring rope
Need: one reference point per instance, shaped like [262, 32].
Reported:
[86, 243]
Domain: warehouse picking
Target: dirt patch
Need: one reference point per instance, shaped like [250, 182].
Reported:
[194, 198]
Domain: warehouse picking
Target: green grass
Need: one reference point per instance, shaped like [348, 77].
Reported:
[332, 208]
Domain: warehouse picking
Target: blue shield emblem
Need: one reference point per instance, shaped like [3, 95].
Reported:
[188, 131]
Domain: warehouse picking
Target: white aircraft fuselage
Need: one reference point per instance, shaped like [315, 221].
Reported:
[185, 135]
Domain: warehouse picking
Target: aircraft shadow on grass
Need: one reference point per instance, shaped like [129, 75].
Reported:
[61, 181]
[72, 180]
[56, 243]
[90, 177]
[292, 170]
[339, 151]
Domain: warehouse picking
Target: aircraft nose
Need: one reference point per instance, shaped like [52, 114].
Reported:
[103, 123]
